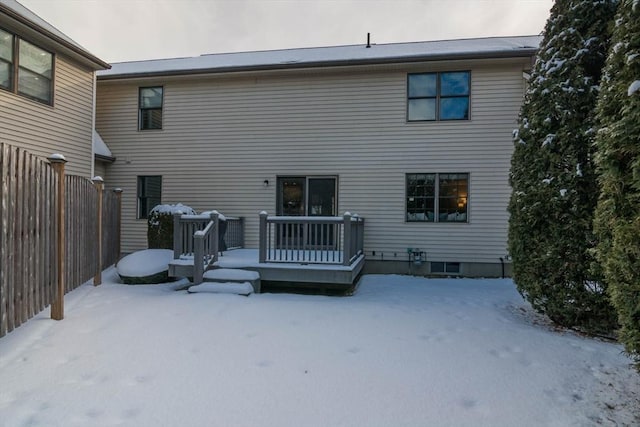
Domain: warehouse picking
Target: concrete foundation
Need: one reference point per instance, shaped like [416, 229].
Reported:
[467, 269]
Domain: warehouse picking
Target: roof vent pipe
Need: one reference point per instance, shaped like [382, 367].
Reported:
[368, 40]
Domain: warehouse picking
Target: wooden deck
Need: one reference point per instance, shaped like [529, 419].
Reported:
[324, 252]
[302, 274]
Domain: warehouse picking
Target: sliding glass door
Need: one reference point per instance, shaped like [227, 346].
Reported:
[306, 196]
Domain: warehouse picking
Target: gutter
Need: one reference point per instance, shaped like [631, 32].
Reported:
[97, 62]
[520, 53]
[104, 158]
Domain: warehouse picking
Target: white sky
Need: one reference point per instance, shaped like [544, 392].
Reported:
[126, 30]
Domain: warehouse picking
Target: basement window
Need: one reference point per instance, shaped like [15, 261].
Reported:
[445, 267]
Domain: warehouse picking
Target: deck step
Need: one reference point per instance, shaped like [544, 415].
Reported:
[181, 268]
[233, 275]
[238, 288]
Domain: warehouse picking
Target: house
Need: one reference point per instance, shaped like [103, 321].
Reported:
[47, 89]
[414, 137]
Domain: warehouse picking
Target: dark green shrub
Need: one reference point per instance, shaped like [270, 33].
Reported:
[162, 277]
[617, 221]
[145, 267]
[554, 184]
[160, 225]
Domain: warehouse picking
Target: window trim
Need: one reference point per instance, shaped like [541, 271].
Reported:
[438, 97]
[436, 196]
[15, 70]
[141, 109]
[139, 196]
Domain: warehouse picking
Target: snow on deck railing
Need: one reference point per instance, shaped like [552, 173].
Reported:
[311, 239]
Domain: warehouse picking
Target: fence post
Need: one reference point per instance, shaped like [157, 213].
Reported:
[57, 306]
[118, 193]
[99, 184]
[262, 248]
[346, 250]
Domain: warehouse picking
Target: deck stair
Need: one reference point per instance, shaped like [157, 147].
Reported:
[229, 280]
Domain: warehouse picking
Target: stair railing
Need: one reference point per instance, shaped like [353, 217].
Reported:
[197, 236]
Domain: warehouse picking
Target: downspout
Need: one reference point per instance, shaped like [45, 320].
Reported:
[93, 125]
[502, 265]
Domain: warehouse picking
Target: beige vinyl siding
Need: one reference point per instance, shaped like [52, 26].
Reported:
[223, 136]
[62, 128]
[100, 169]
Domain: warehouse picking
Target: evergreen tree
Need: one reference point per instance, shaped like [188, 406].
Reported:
[552, 175]
[618, 146]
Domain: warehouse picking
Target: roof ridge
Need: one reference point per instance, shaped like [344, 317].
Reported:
[307, 48]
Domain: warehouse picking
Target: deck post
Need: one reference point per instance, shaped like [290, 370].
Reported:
[57, 306]
[198, 258]
[118, 193]
[177, 235]
[262, 251]
[346, 252]
[99, 183]
[216, 235]
[361, 235]
[242, 232]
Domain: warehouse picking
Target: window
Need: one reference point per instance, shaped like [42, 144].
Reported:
[438, 96]
[6, 60]
[34, 72]
[150, 102]
[149, 194]
[437, 197]
[25, 68]
[445, 267]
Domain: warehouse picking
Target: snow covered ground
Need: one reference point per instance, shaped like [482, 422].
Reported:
[403, 351]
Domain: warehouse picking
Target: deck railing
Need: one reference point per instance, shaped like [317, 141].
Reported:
[234, 237]
[311, 239]
[196, 236]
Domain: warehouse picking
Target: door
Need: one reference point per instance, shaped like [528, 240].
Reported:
[306, 196]
[321, 201]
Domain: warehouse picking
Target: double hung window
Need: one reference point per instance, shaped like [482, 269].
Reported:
[438, 96]
[437, 197]
[6, 60]
[25, 68]
[150, 105]
[149, 194]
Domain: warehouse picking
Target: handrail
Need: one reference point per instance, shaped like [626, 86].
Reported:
[311, 239]
[205, 248]
[196, 235]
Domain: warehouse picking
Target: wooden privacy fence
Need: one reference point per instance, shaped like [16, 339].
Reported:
[48, 248]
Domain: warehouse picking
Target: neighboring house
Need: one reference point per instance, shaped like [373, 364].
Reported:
[47, 88]
[414, 137]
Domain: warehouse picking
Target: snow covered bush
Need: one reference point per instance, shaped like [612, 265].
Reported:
[145, 267]
[552, 174]
[160, 225]
[617, 221]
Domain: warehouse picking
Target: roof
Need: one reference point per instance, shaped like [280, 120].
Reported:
[25, 16]
[492, 47]
[100, 149]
